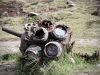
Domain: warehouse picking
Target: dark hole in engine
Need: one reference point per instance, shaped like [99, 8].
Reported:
[46, 23]
[39, 33]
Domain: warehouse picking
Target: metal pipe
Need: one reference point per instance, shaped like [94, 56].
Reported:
[13, 32]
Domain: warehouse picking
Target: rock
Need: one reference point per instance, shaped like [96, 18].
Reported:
[5, 13]
[18, 13]
[98, 65]
[72, 60]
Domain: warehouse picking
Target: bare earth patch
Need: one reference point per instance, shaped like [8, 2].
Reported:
[7, 68]
[9, 47]
[11, 8]
[88, 42]
[89, 71]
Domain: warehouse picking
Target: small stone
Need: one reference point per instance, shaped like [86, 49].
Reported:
[72, 60]
[5, 13]
[18, 13]
[98, 65]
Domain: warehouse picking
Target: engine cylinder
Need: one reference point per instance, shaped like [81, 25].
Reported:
[32, 54]
[53, 49]
[59, 32]
[41, 35]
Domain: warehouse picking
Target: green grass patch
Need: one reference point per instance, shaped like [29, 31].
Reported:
[62, 66]
[9, 57]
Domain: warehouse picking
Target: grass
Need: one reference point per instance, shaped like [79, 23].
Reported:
[63, 66]
[72, 17]
[78, 18]
[9, 56]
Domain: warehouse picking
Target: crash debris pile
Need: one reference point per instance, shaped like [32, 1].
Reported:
[42, 39]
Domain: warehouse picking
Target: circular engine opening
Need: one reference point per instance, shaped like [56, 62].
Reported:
[39, 33]
[51, 50]
[60, 31]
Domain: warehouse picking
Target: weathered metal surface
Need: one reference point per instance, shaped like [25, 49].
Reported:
[18, 34]
[95, 55]
[53, 49]
[40, 35]
[32, 54]
[50, 38]
[60, 32]
[70, 3]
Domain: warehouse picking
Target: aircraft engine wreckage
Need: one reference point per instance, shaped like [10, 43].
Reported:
[43, 39]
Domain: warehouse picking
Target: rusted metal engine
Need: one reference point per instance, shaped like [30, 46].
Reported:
[42, 39]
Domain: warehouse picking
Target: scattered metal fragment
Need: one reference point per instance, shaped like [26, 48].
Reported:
[31, 14]
[70, 3]
[88, 57]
